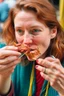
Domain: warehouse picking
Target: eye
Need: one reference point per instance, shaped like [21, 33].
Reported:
[19, 30]
[36, 30]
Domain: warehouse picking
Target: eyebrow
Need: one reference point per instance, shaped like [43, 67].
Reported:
[34, 26]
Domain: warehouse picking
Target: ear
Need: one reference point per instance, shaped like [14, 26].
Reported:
[53, 32]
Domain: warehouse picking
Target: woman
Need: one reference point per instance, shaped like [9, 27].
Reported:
[32, 23]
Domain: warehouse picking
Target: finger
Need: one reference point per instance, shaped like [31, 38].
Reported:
[7, 72]
[10, 48]
[48, 75]
[54, 81]
[51, 58]
[55, 69]
[5, 53]
[45, 76]
[7, 60]
[58, 72]
[4, 68]
[55, 77]
[44, 70]
[53, 63]
[47, 58]
[61, 84]
[13, 63]
[45, 63]
[40, 68]
[57, 85]
[61, 80]
[47, 71]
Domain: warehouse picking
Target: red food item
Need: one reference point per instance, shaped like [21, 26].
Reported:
[32, 54]
[21, 48]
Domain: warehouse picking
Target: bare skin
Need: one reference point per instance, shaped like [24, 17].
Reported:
[8, 60]
[54, 72]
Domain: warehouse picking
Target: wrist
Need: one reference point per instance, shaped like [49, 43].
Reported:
[5, 84]
[6, 94]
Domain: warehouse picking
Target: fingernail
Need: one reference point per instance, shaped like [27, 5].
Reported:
[37, 61]
[36, 66]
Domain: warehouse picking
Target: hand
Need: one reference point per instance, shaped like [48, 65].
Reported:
[52, 70]
[8, 60]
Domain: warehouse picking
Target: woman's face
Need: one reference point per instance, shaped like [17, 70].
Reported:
[31, 32]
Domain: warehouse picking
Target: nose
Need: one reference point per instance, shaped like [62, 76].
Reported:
[27, 38]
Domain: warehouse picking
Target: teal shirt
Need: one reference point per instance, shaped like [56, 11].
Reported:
[21, 80]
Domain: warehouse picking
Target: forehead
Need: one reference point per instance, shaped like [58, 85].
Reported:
[24, 18]
[23, 15]
[27, 14]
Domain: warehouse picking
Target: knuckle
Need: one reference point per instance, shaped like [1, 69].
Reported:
[6, 47]
[57, 60]
[52, 66]
[44, 61]
[49, 72]
[1, 62]
[53, 82]
[57, 74]
[41, 62]
[15, 62]
[7, 60]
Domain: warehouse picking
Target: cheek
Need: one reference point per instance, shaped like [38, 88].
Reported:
[43, 43]
[18, 38]
[46, 43]
[42, 40]
[44, 46]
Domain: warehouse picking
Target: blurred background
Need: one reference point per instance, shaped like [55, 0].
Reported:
[5, 6]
